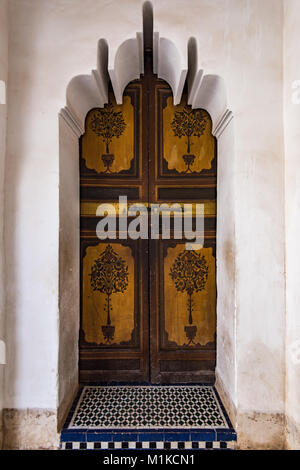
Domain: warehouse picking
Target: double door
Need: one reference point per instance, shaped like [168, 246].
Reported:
[148, 302]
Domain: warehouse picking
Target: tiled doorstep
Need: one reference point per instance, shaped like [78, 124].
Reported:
[146, 445]
[144, 439]
[215, 438]
[164, 435]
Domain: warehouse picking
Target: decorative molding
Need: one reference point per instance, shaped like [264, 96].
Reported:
[207, 91]
[102, 86]
[71, 121]
[169, 65]
[221, 125]
[101, 74]
[194, 86]
[126, 63]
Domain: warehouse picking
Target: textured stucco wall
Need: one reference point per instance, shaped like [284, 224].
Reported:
[241, 40]
[3, 118]
[69, 278]
[292, 206]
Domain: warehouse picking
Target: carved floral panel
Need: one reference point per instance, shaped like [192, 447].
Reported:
[185, 143]
[111, 145]
[108, 294]
[189, 292]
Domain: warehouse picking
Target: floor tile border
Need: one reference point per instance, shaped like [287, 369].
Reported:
[148, 445]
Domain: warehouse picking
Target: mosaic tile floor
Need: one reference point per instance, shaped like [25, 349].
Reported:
[148, 417]
[151, 407]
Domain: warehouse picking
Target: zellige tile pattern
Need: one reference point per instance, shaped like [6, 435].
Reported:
[148, 407]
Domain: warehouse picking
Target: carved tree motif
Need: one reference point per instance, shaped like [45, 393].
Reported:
[189, 122]
[107, 123]
[109, 275]
[189, 273]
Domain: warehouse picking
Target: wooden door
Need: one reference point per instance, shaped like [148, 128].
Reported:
[114, 330]
[138, 322]
[182, 281]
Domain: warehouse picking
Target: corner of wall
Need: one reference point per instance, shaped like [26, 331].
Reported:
[226, 399]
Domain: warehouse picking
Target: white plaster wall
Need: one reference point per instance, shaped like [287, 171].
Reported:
[226, 374]
[240, 40]
[31, 212]
[3, 118]
[259, 178]
[50, 42]
[292, 205]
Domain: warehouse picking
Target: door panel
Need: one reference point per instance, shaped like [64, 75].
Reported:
[114, 333]
[183, 320]
[185, 146]
[148, 307]
[111, 147]
[187, 297]
[114, 321]
[183, 282]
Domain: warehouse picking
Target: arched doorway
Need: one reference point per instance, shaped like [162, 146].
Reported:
[148, 306]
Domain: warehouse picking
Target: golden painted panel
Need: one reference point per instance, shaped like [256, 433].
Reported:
[108, 294]
[90, 208]
[188, 144]
[190, 296]
[108, 143]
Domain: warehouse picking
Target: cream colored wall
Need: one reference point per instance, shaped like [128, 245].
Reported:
[241, 41]
[31, 211]
[3, 118]
[292, 206]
